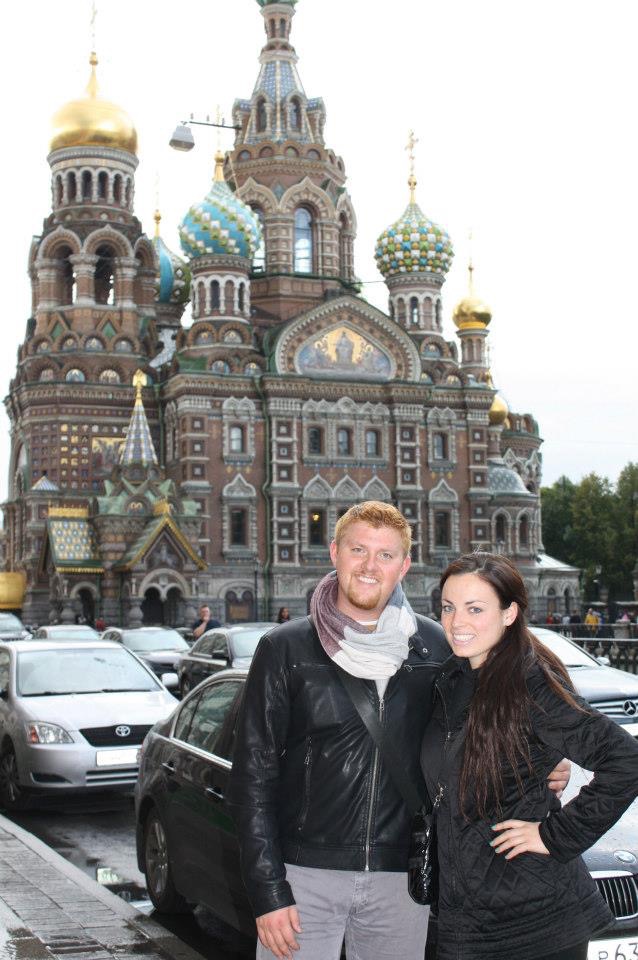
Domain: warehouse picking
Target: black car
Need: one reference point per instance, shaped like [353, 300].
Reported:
[186, 842]
[159, 647]
[219, 649]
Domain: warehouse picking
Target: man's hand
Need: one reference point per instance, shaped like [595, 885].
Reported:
[559, 777]
[518, 836]
[277, 929]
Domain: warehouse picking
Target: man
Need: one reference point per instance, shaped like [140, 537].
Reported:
[322, 829]
[204, 623]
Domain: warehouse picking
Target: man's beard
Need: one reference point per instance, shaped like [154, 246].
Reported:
[364, 601]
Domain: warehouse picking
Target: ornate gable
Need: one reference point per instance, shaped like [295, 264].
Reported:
[347, 339]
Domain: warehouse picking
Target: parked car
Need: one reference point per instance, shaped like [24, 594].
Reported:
[12, 628]
[66, 631]
[217, 650]
[72, 717]
[613, 692]
[159, 647]
[187, 847]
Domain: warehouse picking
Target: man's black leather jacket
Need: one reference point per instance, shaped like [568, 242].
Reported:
[307, 785]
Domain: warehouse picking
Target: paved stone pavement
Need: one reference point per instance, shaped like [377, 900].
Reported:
[50, 910]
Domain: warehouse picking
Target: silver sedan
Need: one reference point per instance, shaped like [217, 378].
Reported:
[72, 717]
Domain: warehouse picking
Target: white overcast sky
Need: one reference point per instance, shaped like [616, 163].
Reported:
[525, 114]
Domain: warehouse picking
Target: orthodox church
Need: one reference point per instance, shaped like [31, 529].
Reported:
[155, 465]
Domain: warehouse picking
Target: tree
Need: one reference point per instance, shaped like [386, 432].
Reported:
[594, 532]
[557, 502]
[627, 527]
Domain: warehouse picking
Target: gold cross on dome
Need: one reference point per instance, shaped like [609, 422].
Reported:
[412, 142]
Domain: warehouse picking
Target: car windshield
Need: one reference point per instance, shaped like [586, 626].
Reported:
[569, 653]
[47, 673]
[140, 640]
[245, 642]
[77, 633]
[9, 622]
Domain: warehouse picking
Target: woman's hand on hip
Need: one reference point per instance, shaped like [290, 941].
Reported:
[518, 836]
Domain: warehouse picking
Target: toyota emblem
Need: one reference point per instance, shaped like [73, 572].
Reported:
[630, 707]
[122, 731]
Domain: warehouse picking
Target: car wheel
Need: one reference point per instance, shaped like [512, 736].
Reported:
[11, 792]
[185, 687]
[157, 868]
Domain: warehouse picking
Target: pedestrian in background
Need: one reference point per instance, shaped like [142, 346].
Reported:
[284, 615]
[205, 622]
[512, 881]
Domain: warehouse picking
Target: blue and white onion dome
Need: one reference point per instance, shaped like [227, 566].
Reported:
[174, 280]
[221, 223]
[413, 244]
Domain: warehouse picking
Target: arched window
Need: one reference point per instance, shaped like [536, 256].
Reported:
[262, 116]
[214, 295]
[437, 314]
[282, 29]
[414, 310]
[117, 188]
[259, 260]
[500, 529]
[104, 286]
[372, 443]
[66, 276]
[295, 114]
[72, 187]
[236, 439]
[241, 297]
[87, 185]
[272, 28]
[110, 376]
[523, 531]
[344, 442]
[58, 190]
[102, 184]
[303, 240]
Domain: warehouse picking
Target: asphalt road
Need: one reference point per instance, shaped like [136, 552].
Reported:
[98, 837]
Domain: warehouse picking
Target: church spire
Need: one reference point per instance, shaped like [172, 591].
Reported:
[138, 449]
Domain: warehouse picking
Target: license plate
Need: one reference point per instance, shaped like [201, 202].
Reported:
[117, 758]
[624, 949]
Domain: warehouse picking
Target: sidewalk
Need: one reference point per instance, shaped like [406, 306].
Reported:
[50, 909]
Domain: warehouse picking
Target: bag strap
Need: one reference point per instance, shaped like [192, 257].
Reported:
[356, 690]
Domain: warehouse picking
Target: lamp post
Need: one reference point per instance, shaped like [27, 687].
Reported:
[183, 139]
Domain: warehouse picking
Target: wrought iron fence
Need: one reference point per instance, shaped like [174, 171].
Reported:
[616, 641]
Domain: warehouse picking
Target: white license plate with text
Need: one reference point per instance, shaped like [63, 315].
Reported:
[623, 949]
[116, 758]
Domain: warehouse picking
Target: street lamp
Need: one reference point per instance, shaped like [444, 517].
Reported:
[183, 138]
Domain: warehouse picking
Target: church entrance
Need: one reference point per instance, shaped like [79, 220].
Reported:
[88, 606]
[167, 612]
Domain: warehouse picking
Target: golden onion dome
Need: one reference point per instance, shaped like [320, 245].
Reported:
[499, 411]
[93, 122]
[471, 313]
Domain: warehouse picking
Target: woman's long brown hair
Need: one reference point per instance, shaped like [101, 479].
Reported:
[498, 725]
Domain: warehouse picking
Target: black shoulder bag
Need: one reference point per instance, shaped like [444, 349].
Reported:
[423, 867]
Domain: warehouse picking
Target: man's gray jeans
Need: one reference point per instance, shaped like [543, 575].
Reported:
[371, 909]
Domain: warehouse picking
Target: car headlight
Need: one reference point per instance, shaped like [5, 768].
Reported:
[47, 733]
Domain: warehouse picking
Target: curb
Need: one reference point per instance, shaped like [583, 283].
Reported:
[167, 943]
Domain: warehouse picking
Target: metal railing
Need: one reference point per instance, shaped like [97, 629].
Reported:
[616, 641]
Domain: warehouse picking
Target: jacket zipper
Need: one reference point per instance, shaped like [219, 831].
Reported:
[441, 788]
[373, 787]
[306, 803]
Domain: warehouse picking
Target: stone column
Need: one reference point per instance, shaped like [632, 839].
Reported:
[125, 271]
[84, 266]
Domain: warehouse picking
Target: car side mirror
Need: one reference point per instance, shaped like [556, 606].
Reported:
[170, 680]
[604, 661]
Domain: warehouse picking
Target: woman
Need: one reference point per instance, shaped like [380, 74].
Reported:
[512, 882]
[284, 615]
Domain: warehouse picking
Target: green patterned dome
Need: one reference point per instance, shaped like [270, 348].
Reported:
[414, 244]
[220, 224]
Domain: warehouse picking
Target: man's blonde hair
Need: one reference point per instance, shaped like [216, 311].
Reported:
[377, 514]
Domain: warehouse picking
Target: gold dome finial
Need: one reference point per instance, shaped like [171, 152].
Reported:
[412, 142]
[219, 167]
[471, 313]
[139, 382]
[157, 217]
[499, 411]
